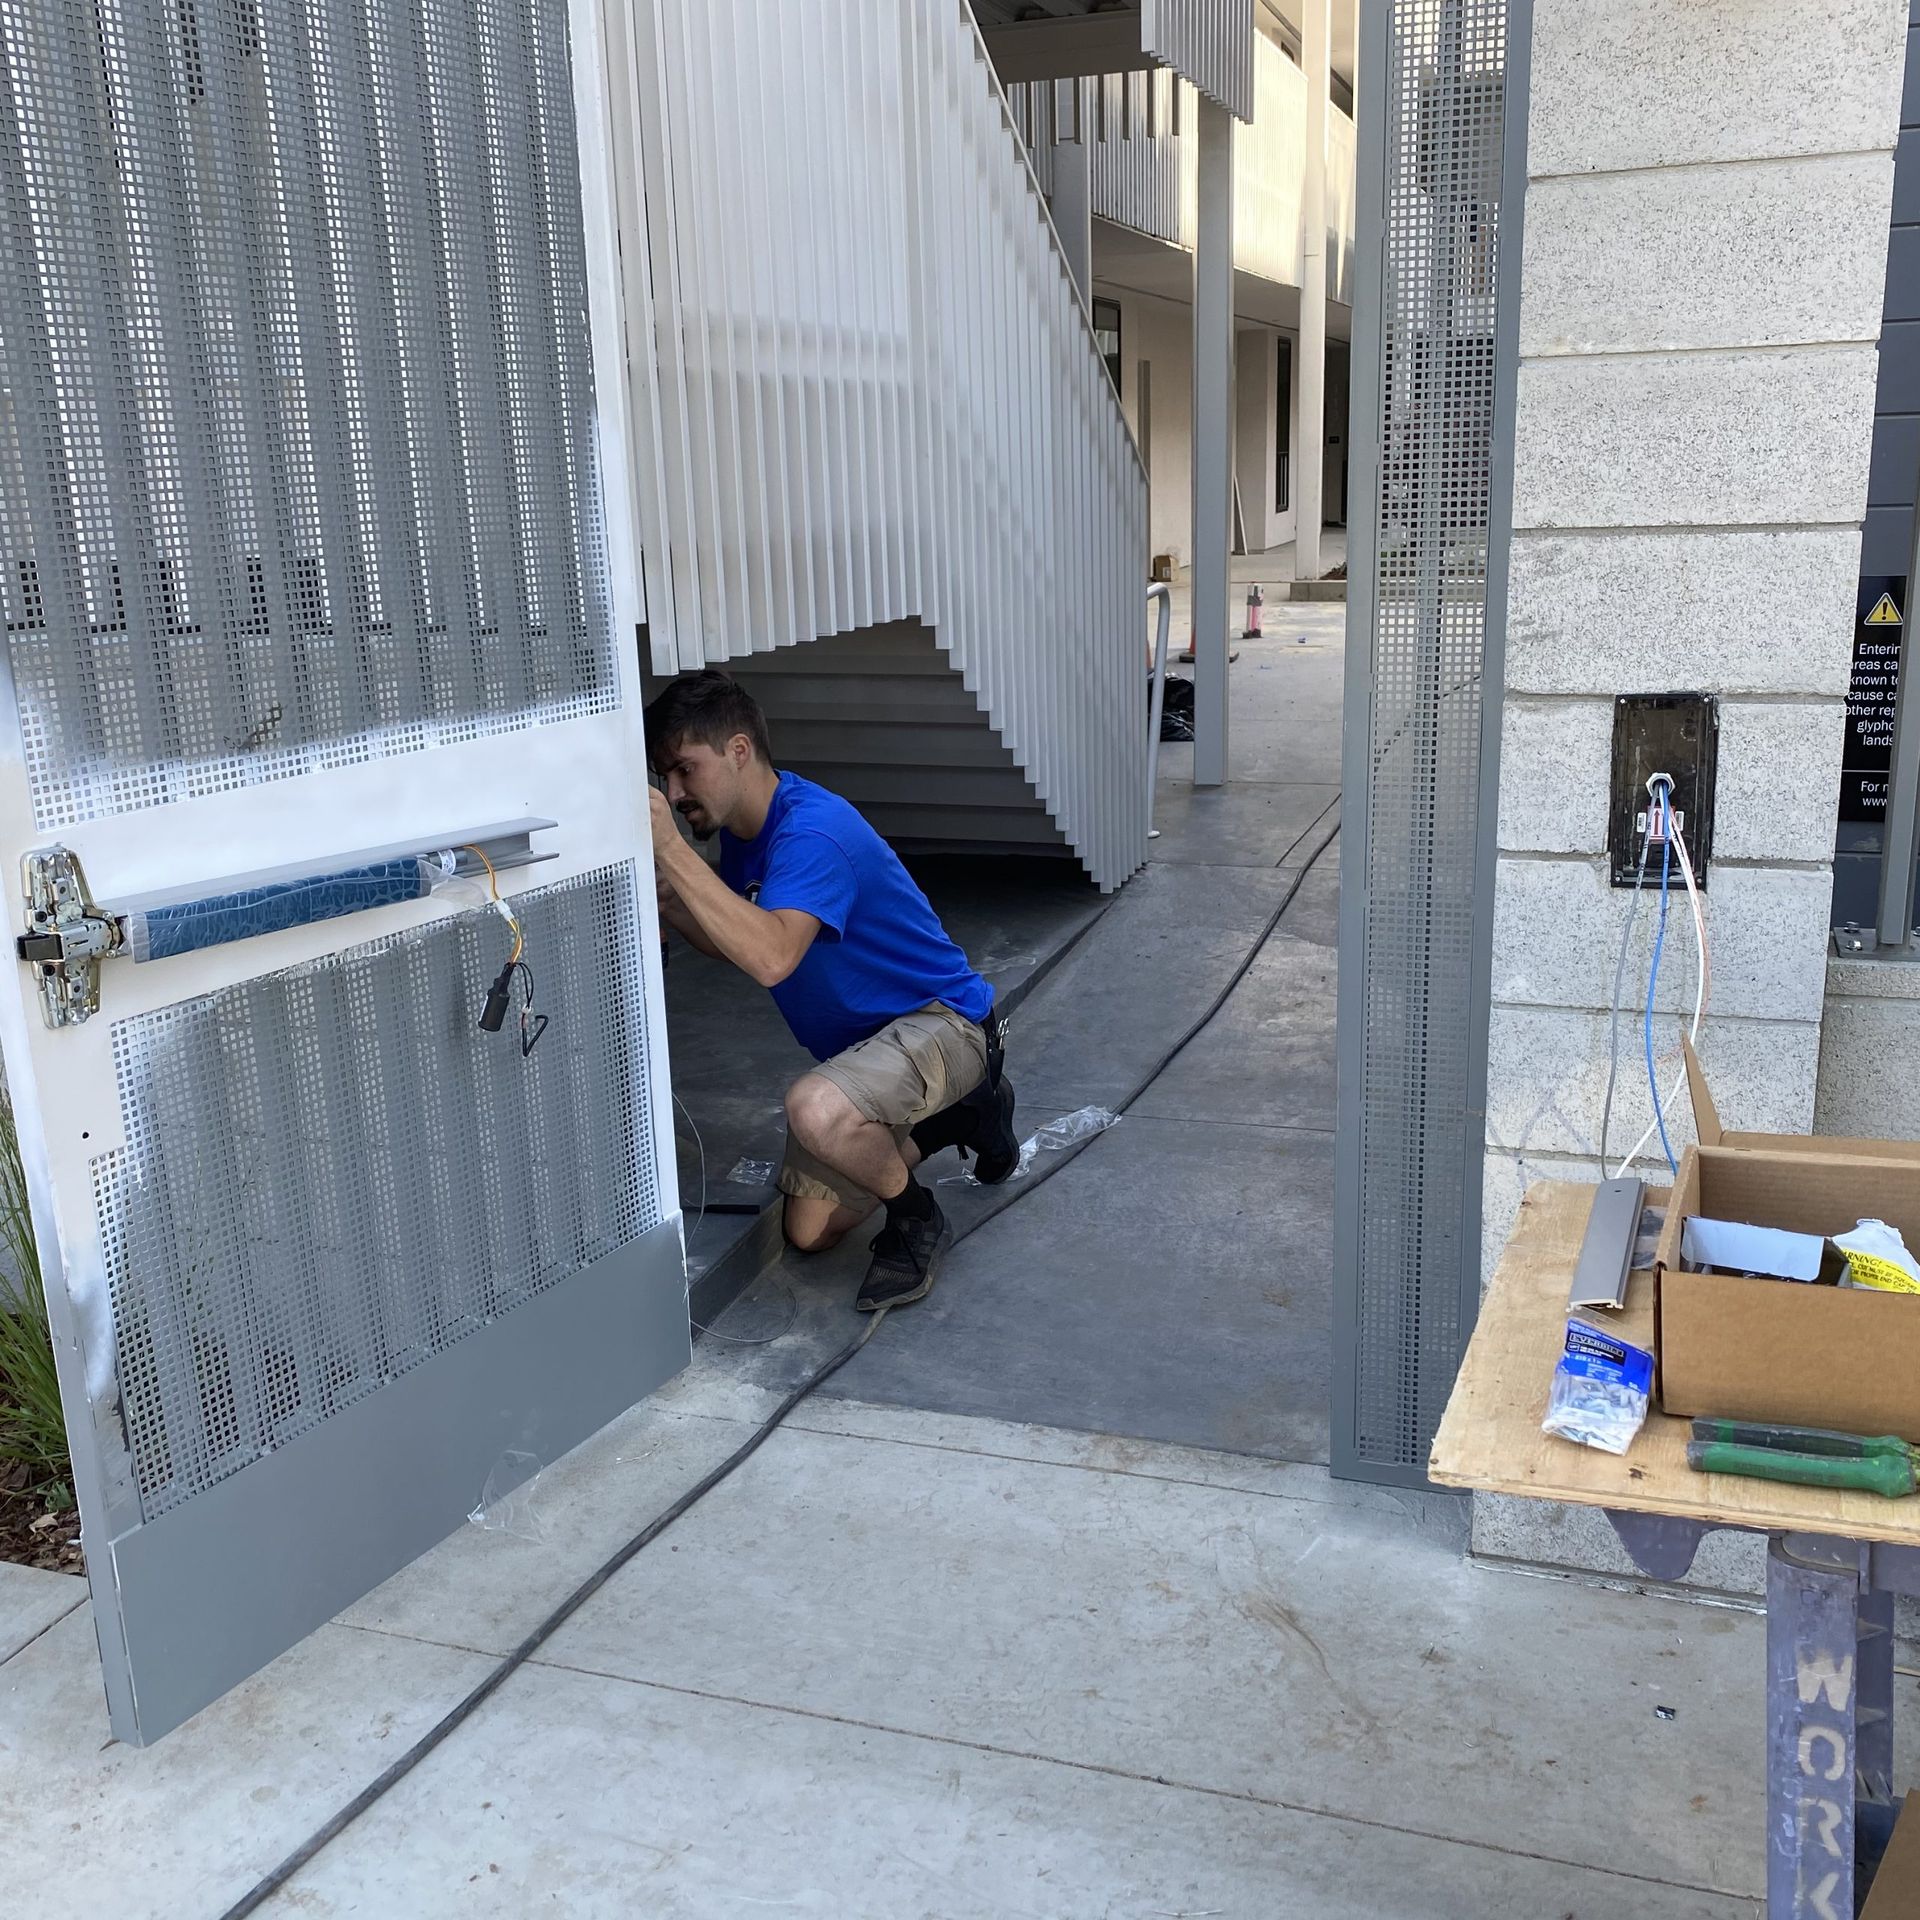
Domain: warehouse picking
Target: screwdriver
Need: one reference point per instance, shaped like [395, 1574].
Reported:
[1806, 1457]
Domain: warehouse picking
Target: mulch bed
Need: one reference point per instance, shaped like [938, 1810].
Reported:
[32, 1537]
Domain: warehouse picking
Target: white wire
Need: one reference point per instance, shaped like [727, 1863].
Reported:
[793, 1299]
[1702, 975]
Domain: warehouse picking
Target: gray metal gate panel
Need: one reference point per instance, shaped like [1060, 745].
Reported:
[298, 437]
[1442, 176]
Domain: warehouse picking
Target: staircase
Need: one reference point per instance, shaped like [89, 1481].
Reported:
[883, 469]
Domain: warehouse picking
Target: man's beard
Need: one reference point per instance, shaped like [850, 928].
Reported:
[702, 829]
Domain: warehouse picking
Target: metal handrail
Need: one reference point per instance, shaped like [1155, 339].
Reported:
[1164, 594]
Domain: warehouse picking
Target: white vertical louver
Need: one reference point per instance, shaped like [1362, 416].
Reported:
[876, 392]
[1209, 42]
[1140, 131]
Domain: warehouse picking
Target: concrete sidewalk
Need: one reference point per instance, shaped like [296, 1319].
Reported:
[906, 1664]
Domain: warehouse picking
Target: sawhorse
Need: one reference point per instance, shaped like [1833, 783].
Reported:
[1830, 1800]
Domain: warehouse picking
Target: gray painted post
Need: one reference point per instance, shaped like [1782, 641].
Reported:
[1897, 831]
[1212, 439]
[1813, 1693]
[1071, 203]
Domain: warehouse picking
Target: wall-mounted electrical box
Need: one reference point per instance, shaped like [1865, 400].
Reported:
[1675, 733]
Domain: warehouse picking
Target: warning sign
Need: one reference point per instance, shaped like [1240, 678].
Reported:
[1868, 753]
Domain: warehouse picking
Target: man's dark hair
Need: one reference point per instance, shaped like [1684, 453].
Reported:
[710, 707]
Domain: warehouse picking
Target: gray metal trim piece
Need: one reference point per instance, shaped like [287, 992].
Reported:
[1517, 100]
[211, 1591]
[1356, 790]
[1606, 1249]
[1347, 1459]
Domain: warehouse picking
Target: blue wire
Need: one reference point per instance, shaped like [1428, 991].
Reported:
[1653, 980]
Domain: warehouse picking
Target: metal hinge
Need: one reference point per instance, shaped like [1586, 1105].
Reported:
[69, 936]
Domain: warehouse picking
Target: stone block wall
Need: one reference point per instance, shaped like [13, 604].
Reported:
[1702, 276]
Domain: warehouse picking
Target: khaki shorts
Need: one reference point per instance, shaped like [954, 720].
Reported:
[918, 1066]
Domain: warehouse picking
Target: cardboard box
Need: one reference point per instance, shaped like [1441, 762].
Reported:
[1709, 1132]
[1895, 1894]
[1809, 1355]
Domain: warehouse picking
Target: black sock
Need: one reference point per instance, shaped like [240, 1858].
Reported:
[912, 1202]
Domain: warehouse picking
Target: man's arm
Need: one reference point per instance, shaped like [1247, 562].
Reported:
[674, 914]
[766, 946]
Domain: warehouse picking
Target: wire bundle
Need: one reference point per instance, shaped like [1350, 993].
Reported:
[1662, 828]
[532, 1024]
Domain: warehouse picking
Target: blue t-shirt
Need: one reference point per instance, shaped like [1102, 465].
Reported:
[881, 950]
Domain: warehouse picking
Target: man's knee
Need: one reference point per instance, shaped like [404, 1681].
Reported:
[816, 1108]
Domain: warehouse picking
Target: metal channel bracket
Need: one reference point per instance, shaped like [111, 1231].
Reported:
[1606, 1253]
[70, 934]
[68, 938]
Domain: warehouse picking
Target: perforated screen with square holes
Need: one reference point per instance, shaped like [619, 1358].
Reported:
[1440, 104]
[296, 403]
[331, 1174]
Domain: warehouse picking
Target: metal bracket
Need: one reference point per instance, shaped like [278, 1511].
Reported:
[69, 936]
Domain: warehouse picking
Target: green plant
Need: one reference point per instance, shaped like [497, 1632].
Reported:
[33, 1433]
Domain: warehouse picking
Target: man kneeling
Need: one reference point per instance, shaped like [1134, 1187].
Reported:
[811, 902]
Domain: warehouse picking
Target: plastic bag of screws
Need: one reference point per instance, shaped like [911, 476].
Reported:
[1601, 1389]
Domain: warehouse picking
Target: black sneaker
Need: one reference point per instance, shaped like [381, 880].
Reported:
[996, 1147]
[905, 1259]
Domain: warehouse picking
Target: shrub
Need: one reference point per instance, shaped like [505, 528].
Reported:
[33, 1432]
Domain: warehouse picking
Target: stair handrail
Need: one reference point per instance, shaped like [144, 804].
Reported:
[1157, 704]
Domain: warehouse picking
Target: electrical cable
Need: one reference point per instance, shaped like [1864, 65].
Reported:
[1619, 983]
[264, 1890]
[1702, 992]
[1653, 982]
[500, 906]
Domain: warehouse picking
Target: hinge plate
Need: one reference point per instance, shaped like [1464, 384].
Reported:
[67, 938]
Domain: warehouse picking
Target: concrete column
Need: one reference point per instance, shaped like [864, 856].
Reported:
[1072, 205]
[1310, 456]
[1212, 439]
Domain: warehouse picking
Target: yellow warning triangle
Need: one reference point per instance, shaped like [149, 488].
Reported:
[1885, 613]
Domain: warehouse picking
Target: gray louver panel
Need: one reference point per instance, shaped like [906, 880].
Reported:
[1434, 368]
[291, 1226]
[295, 390]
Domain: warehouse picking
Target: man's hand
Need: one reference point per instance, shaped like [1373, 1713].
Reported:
[666, 824]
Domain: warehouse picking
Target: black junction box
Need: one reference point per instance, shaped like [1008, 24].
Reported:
[1675, 733]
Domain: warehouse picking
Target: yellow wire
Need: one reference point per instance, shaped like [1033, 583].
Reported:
[493, 879]
[493, 882]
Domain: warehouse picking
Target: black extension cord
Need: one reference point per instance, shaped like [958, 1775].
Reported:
[264, 1890]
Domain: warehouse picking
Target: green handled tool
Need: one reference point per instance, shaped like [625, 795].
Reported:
[1806, 1457]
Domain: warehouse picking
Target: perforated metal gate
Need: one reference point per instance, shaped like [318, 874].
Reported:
[1442, 94]
[311, 386]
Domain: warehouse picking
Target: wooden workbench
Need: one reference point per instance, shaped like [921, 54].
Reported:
[1834, 1560]
[1490, 1436]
